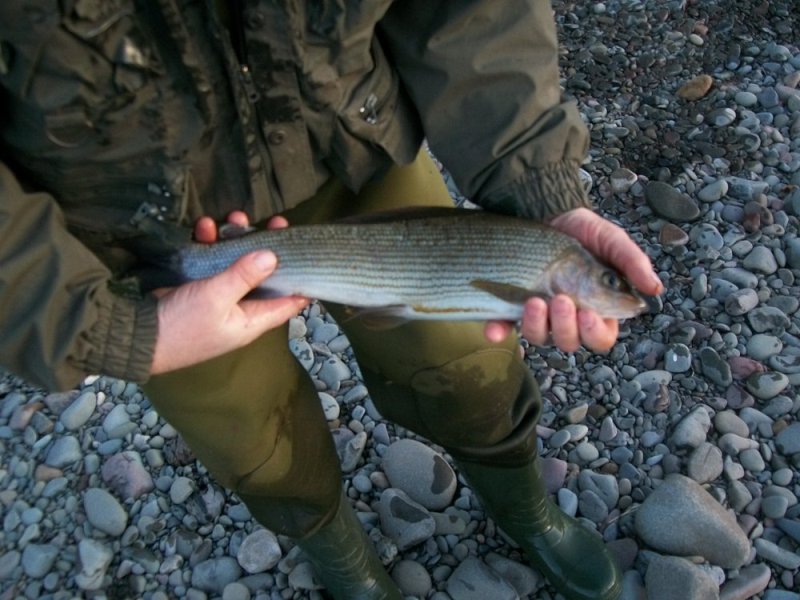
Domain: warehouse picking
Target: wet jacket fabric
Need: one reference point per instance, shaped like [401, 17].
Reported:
[121, 119]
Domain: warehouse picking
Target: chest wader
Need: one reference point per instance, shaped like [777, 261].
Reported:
[253, 417]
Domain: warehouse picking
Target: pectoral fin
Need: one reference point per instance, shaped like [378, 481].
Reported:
[505, 291]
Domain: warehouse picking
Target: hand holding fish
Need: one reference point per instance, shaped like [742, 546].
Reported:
[203, 319]
[559, 322]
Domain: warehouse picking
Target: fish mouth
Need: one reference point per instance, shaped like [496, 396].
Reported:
[628, 307]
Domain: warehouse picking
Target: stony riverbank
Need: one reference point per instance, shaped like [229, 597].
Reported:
[683, 441]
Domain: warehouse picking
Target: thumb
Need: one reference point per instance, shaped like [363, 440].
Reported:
[246, 273]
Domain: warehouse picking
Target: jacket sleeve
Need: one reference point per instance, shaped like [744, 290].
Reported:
[59, 321]
[484, 77]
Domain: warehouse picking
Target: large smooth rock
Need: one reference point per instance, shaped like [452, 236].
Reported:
[681, 518]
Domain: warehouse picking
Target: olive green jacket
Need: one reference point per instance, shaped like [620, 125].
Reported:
[122, 118]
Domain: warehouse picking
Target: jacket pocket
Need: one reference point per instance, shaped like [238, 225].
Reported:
[378, 126]
[78, 68]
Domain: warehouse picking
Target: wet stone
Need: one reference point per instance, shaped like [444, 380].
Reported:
[678, 358]
[767, 319]
[474, 580]
[669, 203]
[767, 385]
[740, 302]
[751, 580]
[672, 577]
[761, 260]
[788, 440]
[681, 518]
[421, 473]
[715, 368]
[406, 522]
[705, 463]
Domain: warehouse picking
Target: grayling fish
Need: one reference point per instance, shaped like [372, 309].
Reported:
[425, 264]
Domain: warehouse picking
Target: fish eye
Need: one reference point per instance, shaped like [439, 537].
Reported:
[611, 280]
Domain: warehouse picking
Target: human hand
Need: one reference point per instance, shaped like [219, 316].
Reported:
[559, 322]
[204, 319]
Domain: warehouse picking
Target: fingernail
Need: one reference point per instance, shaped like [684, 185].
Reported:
[264, 261]
[656, 281]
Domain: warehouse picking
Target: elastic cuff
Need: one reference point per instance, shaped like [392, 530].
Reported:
[125, 339]
[542, 193]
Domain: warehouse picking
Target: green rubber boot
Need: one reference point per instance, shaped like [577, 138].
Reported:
[573, 559]
[345, 560]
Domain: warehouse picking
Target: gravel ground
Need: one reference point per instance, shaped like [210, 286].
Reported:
[681, 447]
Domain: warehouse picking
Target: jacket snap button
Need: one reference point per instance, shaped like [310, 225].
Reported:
[276, 137]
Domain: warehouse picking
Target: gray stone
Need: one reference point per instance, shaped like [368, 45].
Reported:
[117, 423]
[746, 99]
[752, 460]
[181, 489]
[259, 551]
[781, 595]
[776, 554]
[733, 444]
[740, 278]
[64, 452]
[568, 501]
[412, 578]
[751, 580]
[705, 463]
[604, 486]
[788, 440]
[713, 191]
[738, 495]
[740, 302]
[622, 180]
[706, 236]
[95, 559]
[421, 473]
[104, 511]
[406, 522]
[774, 507]
[592, 506]
[721, 117]
[746, 189]
[788, 364]
[9, 561]
[727, 421]
[715, 368]
[214, 574]
[303, 352]
[333, 372]
[78, 413]
[38, 559]
[767, 318]
[674, 578]
[761, 346]
[767, 385]
[678, 358]
[236, 591]
[761, 260]
[474, 580]
[329, 406]
[681, 518]
[692, 429]
[654, 378]
[521, 577]
[125, 474]
[790, 527]
[669, 203]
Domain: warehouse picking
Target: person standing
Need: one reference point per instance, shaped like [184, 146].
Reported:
[125, 123]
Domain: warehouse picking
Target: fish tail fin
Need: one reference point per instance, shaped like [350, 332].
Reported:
[159, 263]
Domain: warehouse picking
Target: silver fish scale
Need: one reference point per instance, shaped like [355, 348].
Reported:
[425, 263]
